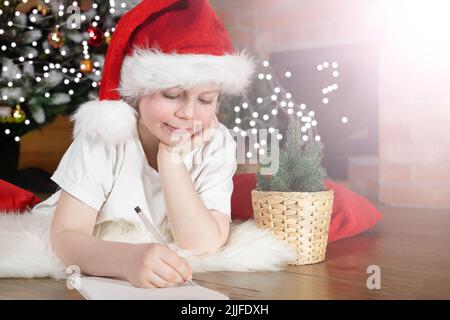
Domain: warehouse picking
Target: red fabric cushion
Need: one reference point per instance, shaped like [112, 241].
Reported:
[351, 214]
[241, 198]
[13, 198]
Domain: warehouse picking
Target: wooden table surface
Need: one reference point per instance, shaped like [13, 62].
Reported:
[409, 245]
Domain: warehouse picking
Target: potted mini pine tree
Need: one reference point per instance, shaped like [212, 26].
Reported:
[292, 202]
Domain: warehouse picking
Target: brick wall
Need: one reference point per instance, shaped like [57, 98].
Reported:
[414, 150]
[414, 129]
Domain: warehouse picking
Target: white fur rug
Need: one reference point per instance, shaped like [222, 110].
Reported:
[25, 249]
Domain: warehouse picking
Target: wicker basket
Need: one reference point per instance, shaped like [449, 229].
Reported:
[301, 219]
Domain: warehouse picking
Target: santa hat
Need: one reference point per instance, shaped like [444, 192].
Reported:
[161, 44]
[168, 43]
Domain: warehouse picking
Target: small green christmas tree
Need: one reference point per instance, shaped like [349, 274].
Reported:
[300, 167]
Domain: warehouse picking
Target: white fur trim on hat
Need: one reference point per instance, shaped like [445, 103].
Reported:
[108, 121]
[148, 69]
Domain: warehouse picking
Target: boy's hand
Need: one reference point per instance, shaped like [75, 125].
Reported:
[153, 265]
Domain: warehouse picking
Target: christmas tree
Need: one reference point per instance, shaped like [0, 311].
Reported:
[51, 58]
[300, 167]
[267, 105]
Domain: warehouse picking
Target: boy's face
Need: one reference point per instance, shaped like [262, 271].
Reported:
[173, 111]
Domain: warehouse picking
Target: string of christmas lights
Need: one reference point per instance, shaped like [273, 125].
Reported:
[263, 110]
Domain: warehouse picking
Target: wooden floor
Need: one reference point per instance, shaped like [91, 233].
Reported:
[411, 247]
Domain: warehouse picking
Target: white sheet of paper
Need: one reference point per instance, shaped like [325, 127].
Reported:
[98, 288]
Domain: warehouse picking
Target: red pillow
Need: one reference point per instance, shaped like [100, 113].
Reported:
[351, 214]
[13, 198]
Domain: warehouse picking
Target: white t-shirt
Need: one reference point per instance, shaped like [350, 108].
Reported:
[114, 179]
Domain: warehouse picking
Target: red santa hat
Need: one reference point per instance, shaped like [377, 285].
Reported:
[160, 44]
[167, 43]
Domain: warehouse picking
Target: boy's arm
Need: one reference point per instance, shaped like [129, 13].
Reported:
[72, 240]
[194, 226]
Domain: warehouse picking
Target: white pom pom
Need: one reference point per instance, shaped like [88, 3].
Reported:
[106, 121]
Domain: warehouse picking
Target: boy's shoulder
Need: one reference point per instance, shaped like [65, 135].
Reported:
[222, 146]
[222, 138]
